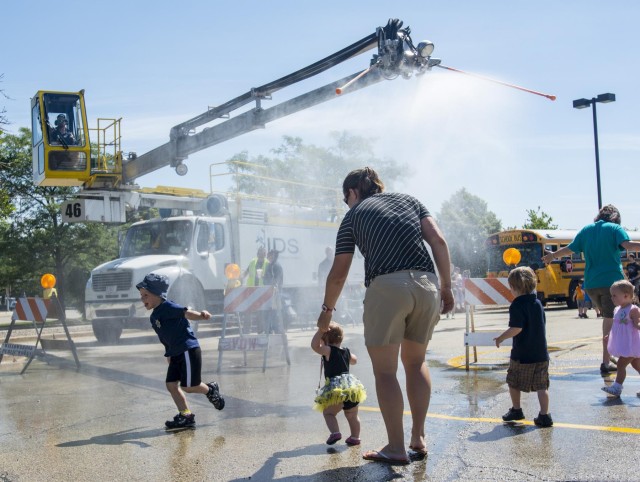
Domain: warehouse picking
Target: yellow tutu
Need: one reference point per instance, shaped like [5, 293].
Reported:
[340, 389]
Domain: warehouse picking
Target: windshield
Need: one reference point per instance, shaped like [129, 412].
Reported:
[166, 237]
[531, 254]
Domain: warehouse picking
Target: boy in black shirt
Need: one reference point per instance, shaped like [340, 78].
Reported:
[529, 364]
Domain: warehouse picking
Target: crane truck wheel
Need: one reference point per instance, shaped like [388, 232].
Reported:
[107, 332]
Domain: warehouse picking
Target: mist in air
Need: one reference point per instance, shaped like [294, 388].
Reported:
[452, 130]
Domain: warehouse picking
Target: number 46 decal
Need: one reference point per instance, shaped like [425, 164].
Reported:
[73, 210]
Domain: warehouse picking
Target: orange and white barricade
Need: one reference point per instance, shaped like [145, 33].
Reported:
[483, 292]
[35, 310]
[249, 300]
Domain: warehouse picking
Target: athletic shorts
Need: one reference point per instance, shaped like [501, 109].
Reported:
[401, 305]
[349, 405]
[528, 377]
[185, 368]
[601, 299]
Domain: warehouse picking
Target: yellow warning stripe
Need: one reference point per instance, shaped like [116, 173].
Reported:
[600, 428]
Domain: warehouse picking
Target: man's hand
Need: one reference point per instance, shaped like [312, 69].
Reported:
[323, 321]
[447, 300]
[498, 341]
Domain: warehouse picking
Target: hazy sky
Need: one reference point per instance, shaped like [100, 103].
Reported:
[158, 63]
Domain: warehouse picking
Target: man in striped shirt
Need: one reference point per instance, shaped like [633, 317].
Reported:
[402, 304]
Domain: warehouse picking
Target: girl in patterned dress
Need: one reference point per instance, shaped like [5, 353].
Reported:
[624, 339]
[342, 390]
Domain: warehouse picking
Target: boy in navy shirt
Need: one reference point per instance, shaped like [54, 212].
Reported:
[170, 322]
[529, 363]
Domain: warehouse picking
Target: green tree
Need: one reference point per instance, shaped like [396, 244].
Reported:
[466, 223]
[538, 220]
[320, 169]
[35, 240]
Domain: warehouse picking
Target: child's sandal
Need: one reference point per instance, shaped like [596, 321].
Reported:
[333, 438]
[351, 441]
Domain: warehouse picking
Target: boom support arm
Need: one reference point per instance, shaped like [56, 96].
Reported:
[397, 56]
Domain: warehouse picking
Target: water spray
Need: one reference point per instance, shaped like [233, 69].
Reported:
[548, 96]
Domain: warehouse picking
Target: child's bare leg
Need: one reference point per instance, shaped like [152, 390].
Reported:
[515, 397]
[354, 421]
[330, 417]
[621, 374]
[202, 388]
[543, 398]
[635, 363]
[178, 396]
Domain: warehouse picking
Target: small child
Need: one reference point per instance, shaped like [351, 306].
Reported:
[170, 322]
[624, 338]
[529, 364]
[341, 391]
[579, 298]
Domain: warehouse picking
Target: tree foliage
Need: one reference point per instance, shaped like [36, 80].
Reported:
[466, 223]
[34, 238]
[538, 220]
[313, 174]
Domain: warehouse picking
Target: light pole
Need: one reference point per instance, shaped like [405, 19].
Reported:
[583, 103]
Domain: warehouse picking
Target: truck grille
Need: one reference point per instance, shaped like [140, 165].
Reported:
[120, 279]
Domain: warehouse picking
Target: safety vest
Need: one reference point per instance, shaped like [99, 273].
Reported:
[251, 277]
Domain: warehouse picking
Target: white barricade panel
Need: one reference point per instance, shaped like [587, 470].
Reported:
[248, 299]
[487, 291]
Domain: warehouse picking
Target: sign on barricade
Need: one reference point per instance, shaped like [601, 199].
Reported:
[36, 311]
[483, 292]
[244, 301]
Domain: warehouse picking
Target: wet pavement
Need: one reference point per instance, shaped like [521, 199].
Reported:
[105, 421]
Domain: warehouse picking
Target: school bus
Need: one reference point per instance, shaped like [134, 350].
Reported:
[556, 282]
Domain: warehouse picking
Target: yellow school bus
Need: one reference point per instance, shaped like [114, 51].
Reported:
[556, 282]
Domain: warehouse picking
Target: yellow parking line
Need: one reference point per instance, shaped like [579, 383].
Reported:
[600, 428]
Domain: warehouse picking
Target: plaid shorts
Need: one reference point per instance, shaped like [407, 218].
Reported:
[528, 377]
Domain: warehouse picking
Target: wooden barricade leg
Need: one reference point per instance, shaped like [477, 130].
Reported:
[466, 345]
[473, 329]
[63, 320]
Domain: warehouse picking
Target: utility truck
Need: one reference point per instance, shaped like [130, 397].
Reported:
[199, 234]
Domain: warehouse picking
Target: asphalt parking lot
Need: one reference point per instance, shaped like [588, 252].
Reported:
[105, 420]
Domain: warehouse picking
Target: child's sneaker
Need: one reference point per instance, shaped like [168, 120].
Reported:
[543, 420]
[181, 421]
[613, 390]
[513, 414]
[214, 395]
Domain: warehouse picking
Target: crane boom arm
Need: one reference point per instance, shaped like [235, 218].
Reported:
[397, 56]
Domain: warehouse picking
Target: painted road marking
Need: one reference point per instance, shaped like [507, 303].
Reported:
[600, 428]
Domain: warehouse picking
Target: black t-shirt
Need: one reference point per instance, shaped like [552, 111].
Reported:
[338, 362]
[530, 345]
[273, 275]
[633, 269]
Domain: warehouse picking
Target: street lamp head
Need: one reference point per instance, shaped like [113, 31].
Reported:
[581, 103]
[606, 98]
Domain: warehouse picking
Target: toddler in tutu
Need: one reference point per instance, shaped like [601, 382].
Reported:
[624, 339]
[341, 391]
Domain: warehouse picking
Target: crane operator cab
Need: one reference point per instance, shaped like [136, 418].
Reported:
[60, 141]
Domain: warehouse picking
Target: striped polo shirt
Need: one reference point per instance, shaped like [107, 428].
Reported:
[386, 229]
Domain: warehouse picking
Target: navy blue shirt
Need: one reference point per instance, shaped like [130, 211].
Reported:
[173, 329]
[530, 345]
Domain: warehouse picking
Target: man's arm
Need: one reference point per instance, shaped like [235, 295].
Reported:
[335, 282]
[547, 258]
[433, 236]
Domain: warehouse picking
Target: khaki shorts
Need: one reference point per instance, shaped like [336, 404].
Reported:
[601, 298]
[401, 305]
[528, 377]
